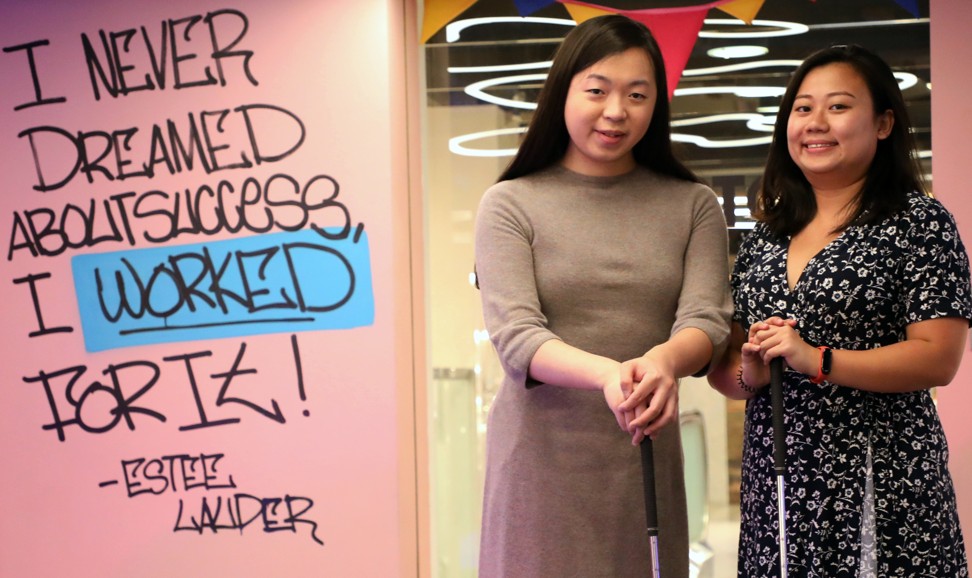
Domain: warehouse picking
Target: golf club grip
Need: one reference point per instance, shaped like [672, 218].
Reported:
[776, 395]
[648, 477]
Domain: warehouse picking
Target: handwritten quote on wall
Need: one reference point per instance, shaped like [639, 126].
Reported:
[237, 247]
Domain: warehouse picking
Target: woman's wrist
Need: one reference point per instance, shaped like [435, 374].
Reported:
[662, 359]
[741, 382]
[825, 360]
[610, 373]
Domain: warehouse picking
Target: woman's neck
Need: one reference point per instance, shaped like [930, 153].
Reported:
[835, 205]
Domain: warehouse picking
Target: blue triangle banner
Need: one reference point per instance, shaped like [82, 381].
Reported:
[911, 6]
[528, 7]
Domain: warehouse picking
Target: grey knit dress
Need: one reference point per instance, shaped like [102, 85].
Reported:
[613, 266]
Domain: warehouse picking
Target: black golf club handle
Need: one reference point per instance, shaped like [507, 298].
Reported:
[776, 396]
[648, 477]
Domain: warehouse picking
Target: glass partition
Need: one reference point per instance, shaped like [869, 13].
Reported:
[482, 75]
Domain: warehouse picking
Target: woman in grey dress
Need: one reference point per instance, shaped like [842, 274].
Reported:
[602, 263]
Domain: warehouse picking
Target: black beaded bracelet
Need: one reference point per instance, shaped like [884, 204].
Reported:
[742, 383]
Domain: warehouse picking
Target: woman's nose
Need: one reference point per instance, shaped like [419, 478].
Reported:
[614, 108]
[817, 120]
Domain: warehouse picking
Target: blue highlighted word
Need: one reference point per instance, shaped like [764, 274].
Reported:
[281, 282]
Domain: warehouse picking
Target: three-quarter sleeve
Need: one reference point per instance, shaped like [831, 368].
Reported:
[505, 271]
[705, 302]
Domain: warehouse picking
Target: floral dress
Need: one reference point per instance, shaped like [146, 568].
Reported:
[862, 468]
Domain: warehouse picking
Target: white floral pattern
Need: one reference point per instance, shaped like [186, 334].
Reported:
[860, 292]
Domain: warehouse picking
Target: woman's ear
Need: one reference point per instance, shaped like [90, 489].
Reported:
[885, 124]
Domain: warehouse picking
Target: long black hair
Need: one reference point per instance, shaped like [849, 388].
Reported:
[547, 138]
[786, 202]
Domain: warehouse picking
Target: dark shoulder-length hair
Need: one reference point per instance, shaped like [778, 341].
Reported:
[786, 202]
[547, 138]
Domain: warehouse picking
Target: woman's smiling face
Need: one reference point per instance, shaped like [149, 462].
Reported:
[608, 109]
[833, 129]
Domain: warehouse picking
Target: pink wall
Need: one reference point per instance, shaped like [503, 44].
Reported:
[951, 53]
[264, 438]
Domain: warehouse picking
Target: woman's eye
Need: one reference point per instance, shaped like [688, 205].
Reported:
[638, 96]
[595, 91]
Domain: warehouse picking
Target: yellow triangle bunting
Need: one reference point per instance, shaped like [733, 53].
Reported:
[744, 10]
[438, 13]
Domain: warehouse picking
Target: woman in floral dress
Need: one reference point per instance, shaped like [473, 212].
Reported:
[859, 281]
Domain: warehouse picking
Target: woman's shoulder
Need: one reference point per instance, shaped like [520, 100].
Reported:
[509, 191]
[759, 239]
[922, 220]
[675, 191]
[523, 196]
[526, 184]
[923, 203]
[760, 232]
[922, 210]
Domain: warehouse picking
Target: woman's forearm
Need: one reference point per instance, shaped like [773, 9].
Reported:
[557, 363]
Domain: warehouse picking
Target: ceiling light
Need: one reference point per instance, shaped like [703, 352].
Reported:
[456, 143]
[752, 30]
[740, 51]
[454, 29]
[476, 90]
[740, 66]
[499, 67]
[905, 80]
[743, 91]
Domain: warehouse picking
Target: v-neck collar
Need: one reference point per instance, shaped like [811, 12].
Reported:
[812, 262]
